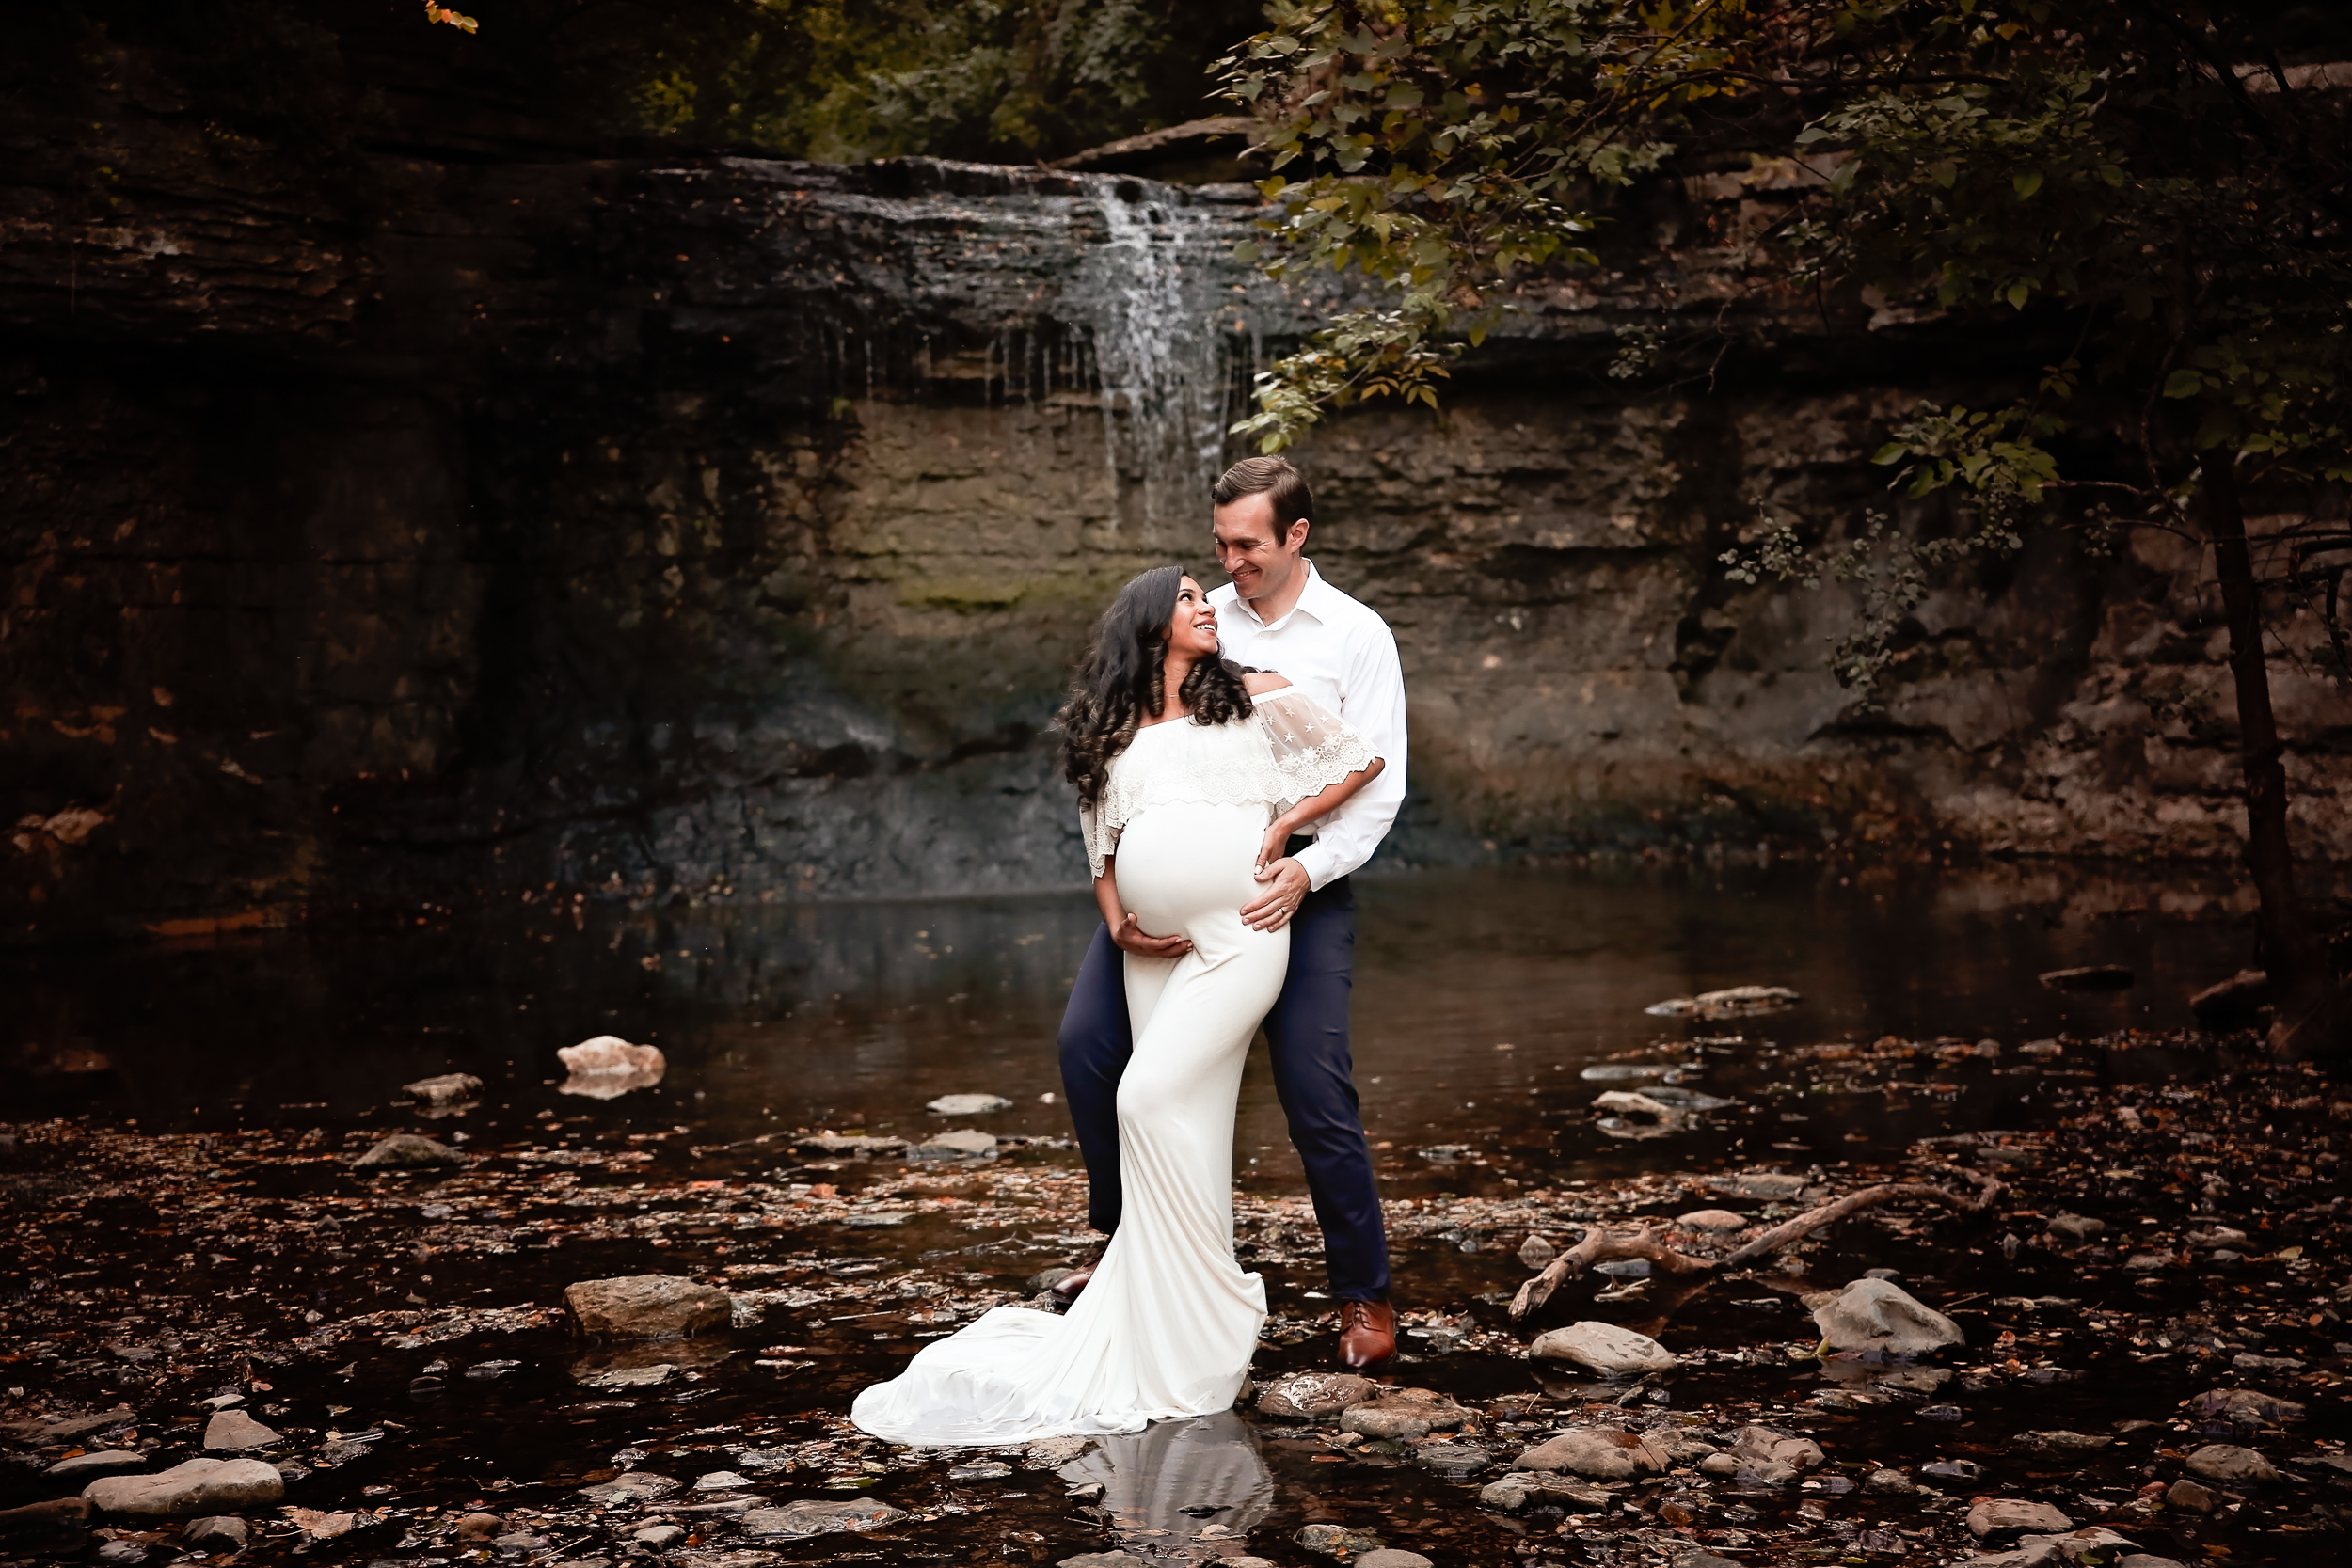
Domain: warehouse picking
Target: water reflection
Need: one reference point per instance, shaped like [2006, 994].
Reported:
[1181, 1478]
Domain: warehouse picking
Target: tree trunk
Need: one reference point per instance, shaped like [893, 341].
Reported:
[2311, 1019]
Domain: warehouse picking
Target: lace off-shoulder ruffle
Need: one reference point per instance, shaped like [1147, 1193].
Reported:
[1288, 749]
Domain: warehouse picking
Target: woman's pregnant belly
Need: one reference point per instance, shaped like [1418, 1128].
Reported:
[1182, 865]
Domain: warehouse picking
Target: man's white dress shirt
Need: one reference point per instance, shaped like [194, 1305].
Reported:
[1340, 653]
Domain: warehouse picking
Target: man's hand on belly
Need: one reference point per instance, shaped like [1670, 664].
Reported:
[1129, 936]
[1285, 888]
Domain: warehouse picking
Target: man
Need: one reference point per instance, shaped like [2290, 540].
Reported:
[1278, 613]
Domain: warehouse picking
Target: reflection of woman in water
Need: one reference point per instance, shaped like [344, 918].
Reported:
[1192, 774]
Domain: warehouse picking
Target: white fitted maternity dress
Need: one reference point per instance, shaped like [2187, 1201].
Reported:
[1167, 1325]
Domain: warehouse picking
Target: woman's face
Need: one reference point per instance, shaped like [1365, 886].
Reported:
[1192, 630]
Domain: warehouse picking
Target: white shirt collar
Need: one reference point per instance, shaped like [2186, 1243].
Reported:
[1311, 599]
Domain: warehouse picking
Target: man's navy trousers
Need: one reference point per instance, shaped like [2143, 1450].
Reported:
[1312, 1074]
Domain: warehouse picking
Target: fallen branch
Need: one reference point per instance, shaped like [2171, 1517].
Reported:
[1598, 1246]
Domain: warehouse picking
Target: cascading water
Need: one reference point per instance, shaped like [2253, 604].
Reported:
[1152, 296]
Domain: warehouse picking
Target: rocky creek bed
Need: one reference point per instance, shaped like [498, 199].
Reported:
[2131, 1348]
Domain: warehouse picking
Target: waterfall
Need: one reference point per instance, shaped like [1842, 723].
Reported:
[1151, 293]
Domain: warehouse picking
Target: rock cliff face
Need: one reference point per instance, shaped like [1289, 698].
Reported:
[726, 528]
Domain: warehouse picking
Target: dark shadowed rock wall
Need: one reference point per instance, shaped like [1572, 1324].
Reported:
[726, 529]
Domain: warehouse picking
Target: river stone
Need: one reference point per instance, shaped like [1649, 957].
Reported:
[1102, 1560]
[856, 1144]
[220, 1533]
[2147, 1559]
[186, 1490]
[637, 1486]
[1770, 1454]
[83, 1468]
[967, 1104]
[1712, 1219]
[1607, 1348]
[1312, 1395]
[2000, 1520]
[820, 1518]
[648, 1307]
[1454, 1460]
[234, 1431]
[1390, 1557]
[407, 1151]
[1535, 1252]
[1879, 1314]
[2231, 1466]
[961, 1143]
[1405, 1415]
[39, 1431]
[1515, 1491]
[2187, 1497]
[57, 1527]
[2245, 1408]
[1700, 1557]
[1336, 1541]
[2073, 1228]
[450, 1089]
[659, 1536]
[1887, 1481]
[1603, 1453]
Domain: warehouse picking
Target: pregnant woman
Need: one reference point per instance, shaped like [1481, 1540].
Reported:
[1192, 774]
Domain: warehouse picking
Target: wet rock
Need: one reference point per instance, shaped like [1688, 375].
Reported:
[219, 1532]
[1733, 1001]
[197, 1487]
[1311, 1396]
[479, 1527]
[1602, 1453]
[41, 1431]
[1774, 1456]
[1880, 1315]
[2244, 1406]
[1967, 1471]
[1605, 1348]
[1718, 1464]
[967, 1104]
[1336, 1541]
[1997, 1521]
[2073, 1229]
[1045, 1279]
[1891, 1481]
[659, 1536]
[1519, 1488]
[820, 1518]
[2146, 1559]
[2231, 1466]
[638, 1486]
[120, 1554]
[623, 1377]
[1390, 1557]
[1627, 1072]
[1103, 1560]
[407, 1151]
[1535, 1252]
[2089, 977]
[85, 1467]
[1718, 1220]
[450, 1089]
[2148, 1262]
[2188, 1497]
[986, 1469]
[520, 1544]
[721, 1481]
[233, 1431]
[1051, 1453]
[648, 1307]
[856, 1144]
[1405, 1415]
[962, 1143]
[2232, 1003]
[2246, 1361]
[1700, 1557]
[878, 1219]
[608, 1066]
[1454, 1460]
[2061, 1439]
[1772, 1185]
[60, 1525]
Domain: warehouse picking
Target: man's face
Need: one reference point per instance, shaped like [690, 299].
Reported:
[1247, 547]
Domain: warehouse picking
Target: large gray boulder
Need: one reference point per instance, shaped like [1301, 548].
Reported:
[1605, 1348]
[186, 1491]
[648, 1307]
[1879, 1314]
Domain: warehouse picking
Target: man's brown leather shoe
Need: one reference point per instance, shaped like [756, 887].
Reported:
[1367, 1332]
[1066, 1288]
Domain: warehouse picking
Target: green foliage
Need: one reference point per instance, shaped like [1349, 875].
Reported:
[2159, 177]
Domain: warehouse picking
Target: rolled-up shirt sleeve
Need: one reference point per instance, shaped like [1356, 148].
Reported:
[1373, 702]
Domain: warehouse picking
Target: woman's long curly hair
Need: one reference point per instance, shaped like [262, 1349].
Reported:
[1118, 682]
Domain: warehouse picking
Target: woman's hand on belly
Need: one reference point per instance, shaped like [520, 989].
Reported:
[1129, 936]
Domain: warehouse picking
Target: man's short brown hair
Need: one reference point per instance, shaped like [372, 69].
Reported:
[1272, 477]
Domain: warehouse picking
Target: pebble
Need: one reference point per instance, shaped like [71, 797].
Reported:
[659, 1536]
[1336, 1541]
[2232, 1466]
[1999, 1520]
[1888, 1481]
[220, 1533]
[967, 1104]
[721, 1481]
[450, 1089]
[1712, 1219]
[820, 1518]
[2073, 1228]
[961, 1143]
[407, 1151]
[1607, 1348]
[1390, 1557]
[2188, 1497]
[479, 1527]
[987, 1470]
[118, 1554]
[1454, 1460]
